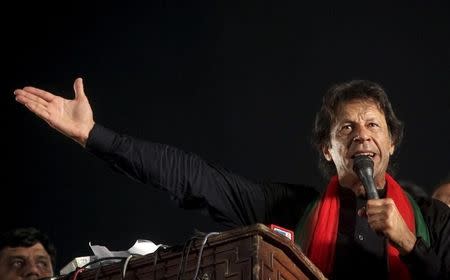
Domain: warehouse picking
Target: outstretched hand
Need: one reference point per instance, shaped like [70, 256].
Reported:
[71, 117]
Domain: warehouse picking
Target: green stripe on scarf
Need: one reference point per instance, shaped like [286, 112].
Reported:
[421, 226]
[301, 228]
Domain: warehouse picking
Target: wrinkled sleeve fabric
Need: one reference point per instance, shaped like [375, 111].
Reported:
[432, 262]
[195, 183]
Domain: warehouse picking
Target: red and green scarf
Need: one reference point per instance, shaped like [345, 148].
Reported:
[316, 232]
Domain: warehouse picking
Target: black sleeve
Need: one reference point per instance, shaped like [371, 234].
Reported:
[432, 262]
[195, 183]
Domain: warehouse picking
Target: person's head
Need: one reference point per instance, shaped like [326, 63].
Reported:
[442, 191]
[356, 117]
[26, 253]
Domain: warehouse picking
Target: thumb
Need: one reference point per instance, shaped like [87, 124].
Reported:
[78, 88]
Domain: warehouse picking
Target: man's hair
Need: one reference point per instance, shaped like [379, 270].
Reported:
[27, 237]
[327, 115]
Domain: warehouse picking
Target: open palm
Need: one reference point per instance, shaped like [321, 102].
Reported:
[72, 117]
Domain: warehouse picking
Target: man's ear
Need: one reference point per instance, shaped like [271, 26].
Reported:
[392, 148]
[326, 152]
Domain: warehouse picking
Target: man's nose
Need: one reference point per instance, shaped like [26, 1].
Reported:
[360, 134]
[32, 269]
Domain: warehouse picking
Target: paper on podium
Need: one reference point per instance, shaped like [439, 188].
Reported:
[143, 247]
[140, 248]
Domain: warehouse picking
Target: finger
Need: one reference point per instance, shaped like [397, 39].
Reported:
[375, 202]
[375, 225]
[379, 205]
[39, 110]
[78, 88]
[376, 219]
[375, 209]
[378, 224]
[25, 97]
[47, 96]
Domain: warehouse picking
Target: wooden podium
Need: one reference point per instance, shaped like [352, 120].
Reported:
[253, 252]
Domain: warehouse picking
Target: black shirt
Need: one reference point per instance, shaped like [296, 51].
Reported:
[356, 241]
[235, 201]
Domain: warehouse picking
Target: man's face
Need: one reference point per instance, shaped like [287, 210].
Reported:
[25, 263]
[360, 128]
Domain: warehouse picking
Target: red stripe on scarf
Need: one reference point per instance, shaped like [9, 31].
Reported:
[323, 235]
[324, 226]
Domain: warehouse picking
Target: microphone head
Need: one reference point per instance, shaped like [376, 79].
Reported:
[362, 163]
[363, 167]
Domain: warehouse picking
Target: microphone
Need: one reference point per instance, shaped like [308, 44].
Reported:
[363, 167]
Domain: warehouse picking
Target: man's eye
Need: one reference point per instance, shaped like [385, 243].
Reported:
[346, 128]
[43, 264]
[373, 125]
[17, 263]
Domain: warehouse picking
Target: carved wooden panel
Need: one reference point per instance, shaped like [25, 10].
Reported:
[275, 265]
[248, 253]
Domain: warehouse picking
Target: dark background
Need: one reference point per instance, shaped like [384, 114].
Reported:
[237, 82]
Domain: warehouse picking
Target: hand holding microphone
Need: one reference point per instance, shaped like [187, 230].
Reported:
[392, 226]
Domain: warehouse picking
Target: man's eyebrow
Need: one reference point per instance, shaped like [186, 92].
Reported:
[40, 257]
[12, 257]
[374, 118]
[348, 120]
[342, 121]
